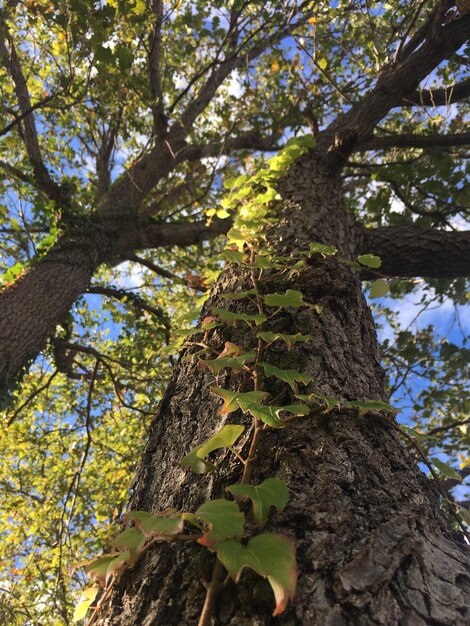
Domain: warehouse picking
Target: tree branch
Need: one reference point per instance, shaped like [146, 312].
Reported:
[395, 81]
[12, 65]
[154, 68]
[408, 251]
[131, 188]
[134, 236]
[438, 97]
[412, 141]
[127, 296]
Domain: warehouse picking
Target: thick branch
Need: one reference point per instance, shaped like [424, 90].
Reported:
[395, 82]
[154, 68]
[413, 141]
[12, 65]
[131, 188]
[408, 251]
[134, 236]
[134, 299]
[438, 97]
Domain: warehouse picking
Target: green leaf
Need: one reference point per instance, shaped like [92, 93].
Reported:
[370, 260]
[97, 568]
[378, 289]
[238, 295]
[271, 492]
[289, 298]
[155, 525]
[289, 340]
[237, 399]
[235, 362]
[224, 519]
[131, 539]
[445, 468]
[372, 405]
[86, 600]
[224, 438]
[464, 514]
[323, 249]
[330, 401]
[271, 414]
[231, 318]
[271, 556]
[291, 377]
[235, 256]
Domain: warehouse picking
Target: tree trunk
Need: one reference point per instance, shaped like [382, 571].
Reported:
[35, 303]
[372, 545]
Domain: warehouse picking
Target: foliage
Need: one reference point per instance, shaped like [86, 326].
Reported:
[71, 438]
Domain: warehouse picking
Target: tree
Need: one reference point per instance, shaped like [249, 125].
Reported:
[373, 543]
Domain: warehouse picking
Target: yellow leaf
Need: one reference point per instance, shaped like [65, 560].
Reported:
[296, 61]
[312, 20]
[275, 66]
[86, 599]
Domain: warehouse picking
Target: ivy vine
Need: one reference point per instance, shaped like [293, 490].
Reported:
[219, 524]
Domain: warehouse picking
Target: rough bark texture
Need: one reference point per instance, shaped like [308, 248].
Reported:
[413, 251]
[373, 547]
[38, 300]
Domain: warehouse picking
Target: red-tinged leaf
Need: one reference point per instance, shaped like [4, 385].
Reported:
[86, 600]
[223, 518]
[271, 492]
[155, 525]
[224, 438]
[131, 539]
[271, 556]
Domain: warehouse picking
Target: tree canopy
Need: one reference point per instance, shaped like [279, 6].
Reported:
[121, 122]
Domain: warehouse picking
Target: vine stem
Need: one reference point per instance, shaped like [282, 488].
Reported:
[213, 590]
[216, 584]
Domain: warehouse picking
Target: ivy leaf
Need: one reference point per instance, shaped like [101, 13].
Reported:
[224, 519]
[291, 377]
[370, 260]
[154, 525]
[289, 340]
[131, 539]
[372, 405]
[323, 249]
[271, 556]
[224, 438]
[238, 295]
[97, 568]
[231, 318]
[445, 468]
[270, 414]
[378, 289]
[235, 362]
[235, 256]
[289, 298]
[330, 401]
[237, 399]
[271, 492]
[464, 514]
[86, 600]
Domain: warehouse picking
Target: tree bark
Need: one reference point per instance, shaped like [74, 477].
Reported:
[38, 300]
[372, 545]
